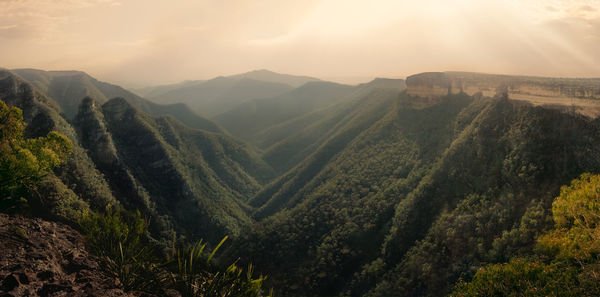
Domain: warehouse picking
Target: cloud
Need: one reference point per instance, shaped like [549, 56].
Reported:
[145, 41]
[8, 27]
[42, 19]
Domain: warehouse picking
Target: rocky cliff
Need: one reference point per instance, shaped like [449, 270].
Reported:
[41, 258]
[579, 95]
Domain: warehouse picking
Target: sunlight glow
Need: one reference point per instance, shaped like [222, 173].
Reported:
[143, 42]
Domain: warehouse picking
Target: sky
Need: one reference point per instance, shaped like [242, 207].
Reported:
[145, 42]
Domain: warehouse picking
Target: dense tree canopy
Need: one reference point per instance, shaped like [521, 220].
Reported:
[566, 262]
[24, 161]
[382, 194]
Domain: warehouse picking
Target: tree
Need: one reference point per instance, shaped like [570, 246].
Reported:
[567, 262]
[23, 162]
[576, 236]
[521, 277]
[576, 214]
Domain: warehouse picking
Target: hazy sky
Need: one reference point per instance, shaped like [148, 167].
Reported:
[140, 42]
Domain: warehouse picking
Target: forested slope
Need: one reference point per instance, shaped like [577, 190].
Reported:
[68, 88]
[290, 142]
[368, 191]
[193, 179]
[187, 180]
[419, 197]
[252, 117]
[78, 179]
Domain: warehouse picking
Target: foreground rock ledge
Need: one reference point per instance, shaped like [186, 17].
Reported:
[41, 258]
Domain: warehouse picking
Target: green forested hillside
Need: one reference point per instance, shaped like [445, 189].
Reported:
[68, 88]
[125, 261]
[358, 191]
[194, 179]
[565, 261]
[176, 175]
[24, 162]
[288, 143]
[253, 116]
[418, 198]
[488, 198]
[315, 148]
[78, 178]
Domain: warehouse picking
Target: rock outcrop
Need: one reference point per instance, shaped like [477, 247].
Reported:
[95, 138]
[579, 95]
[41, 258]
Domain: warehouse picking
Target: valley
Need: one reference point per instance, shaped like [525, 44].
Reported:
[387, 188]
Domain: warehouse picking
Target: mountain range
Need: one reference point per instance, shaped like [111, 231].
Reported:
[220, 94]
[68, 88]
[388, 188]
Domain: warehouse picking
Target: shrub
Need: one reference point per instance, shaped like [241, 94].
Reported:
[23, 162]
[196, 276]
[116, 237]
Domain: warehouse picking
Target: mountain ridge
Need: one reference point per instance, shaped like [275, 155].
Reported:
[388, 188]
[219, 94]
[68, 88]
[370, 218]
[123, 156]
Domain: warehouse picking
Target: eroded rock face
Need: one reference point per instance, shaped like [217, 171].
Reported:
[93, 135]
[579, 95]
[428, 85]
[41, 258]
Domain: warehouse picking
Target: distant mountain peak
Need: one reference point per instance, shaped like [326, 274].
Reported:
[52, 72]
[271, 76]
[262, 71]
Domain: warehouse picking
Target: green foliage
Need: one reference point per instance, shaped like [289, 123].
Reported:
[191, 180]
[116, 237]
[407, 202]
[387, 195]
[342, 198]
[62, 203]
[23, 162]
[576, 236]
[576, 213]
[191, 267]
[521, 277]
[196, 276]
[249, 119]
[114, 231]
[233, 282]
[566, 262]
[78, 177]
